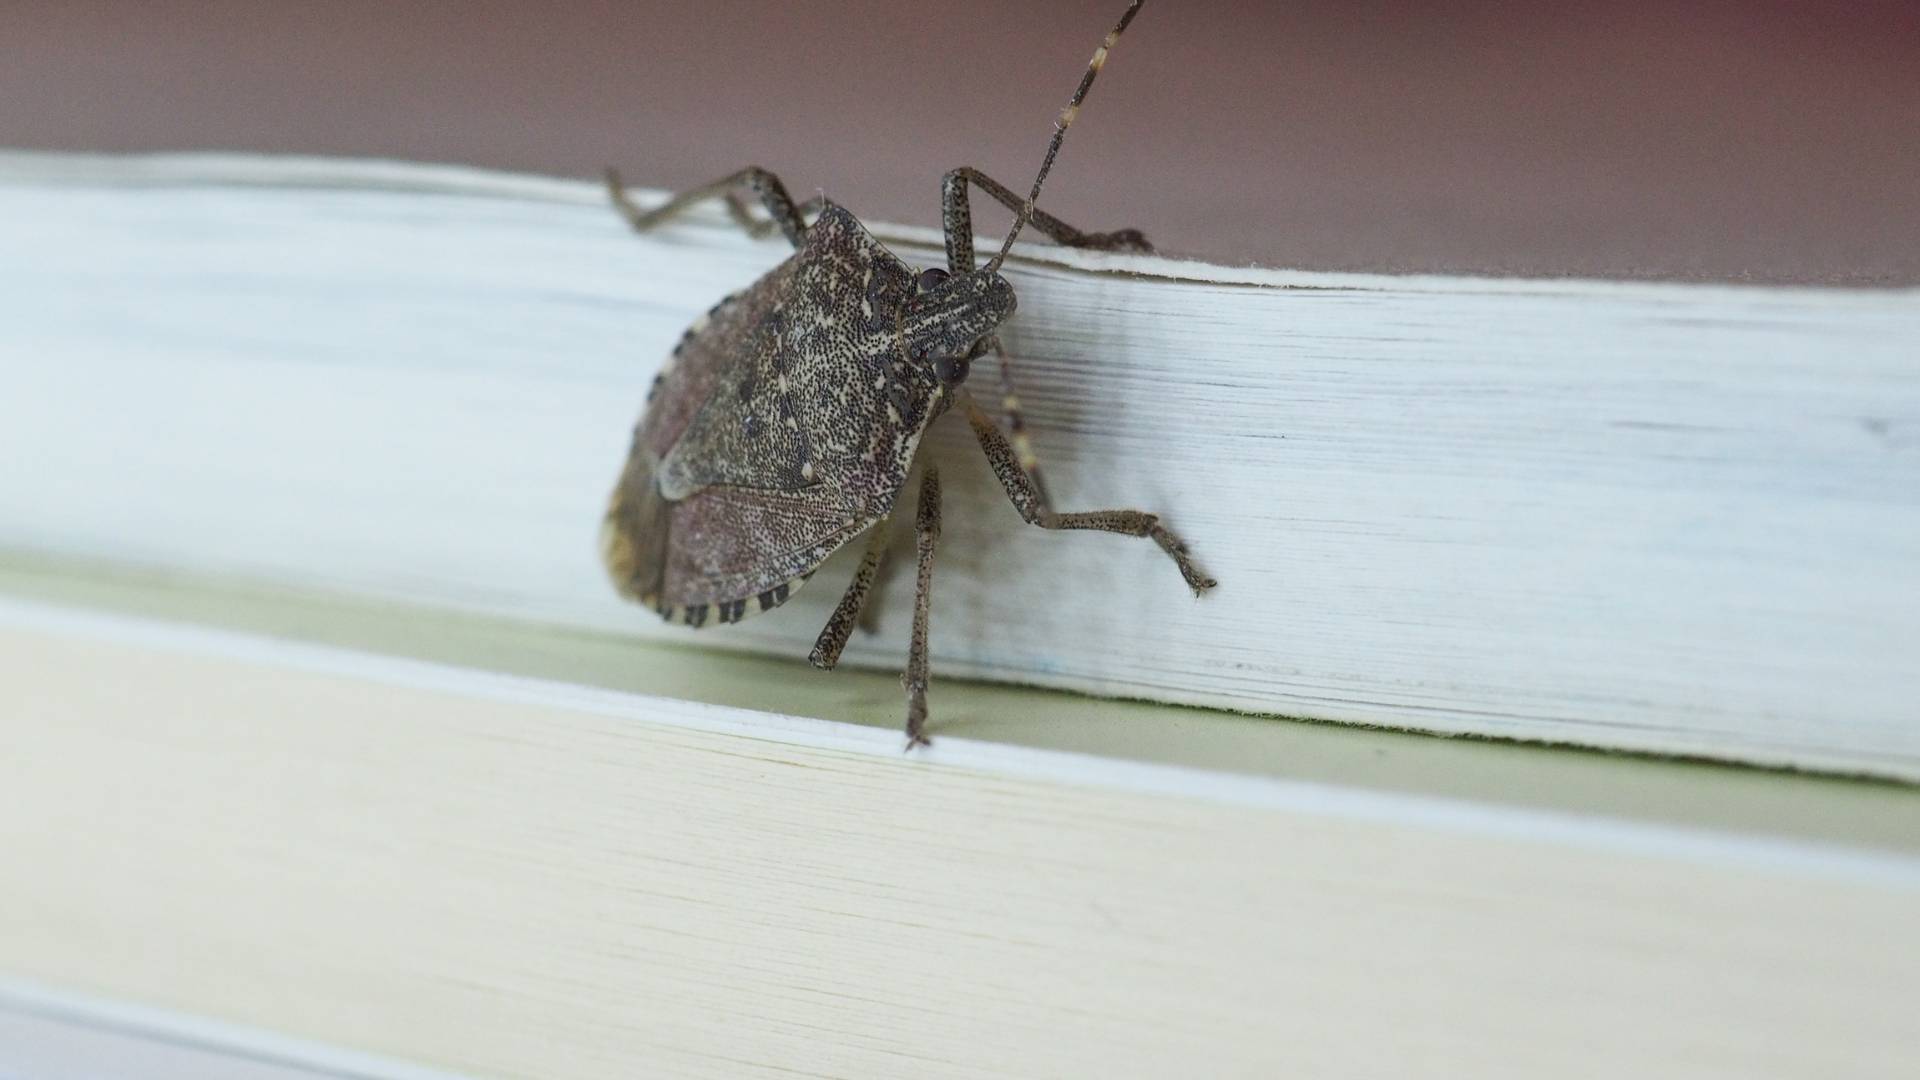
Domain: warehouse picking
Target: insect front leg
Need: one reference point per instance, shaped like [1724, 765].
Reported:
[956, 216]
[926, 534]
[1016, 416]
[956, 220]
[833, 636]
[781, 211]
[1036, 509]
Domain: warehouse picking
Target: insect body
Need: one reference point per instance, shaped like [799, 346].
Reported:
[786, 422]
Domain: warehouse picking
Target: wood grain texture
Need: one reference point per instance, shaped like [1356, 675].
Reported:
[1668, 518]
[519, 879]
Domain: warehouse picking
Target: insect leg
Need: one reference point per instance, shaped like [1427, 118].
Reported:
[1035, 508]
[833, 636]
[956, 219]
[882, 581]
[926, 533]
[758, 227]
[773, 195]
[1016, 417]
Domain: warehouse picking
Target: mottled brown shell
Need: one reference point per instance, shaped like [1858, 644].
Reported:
[783, 426]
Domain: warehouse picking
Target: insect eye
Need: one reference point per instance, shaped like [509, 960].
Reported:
[950, 369]
[931, 277]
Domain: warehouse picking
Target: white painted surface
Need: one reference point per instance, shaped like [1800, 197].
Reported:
[1674, 518]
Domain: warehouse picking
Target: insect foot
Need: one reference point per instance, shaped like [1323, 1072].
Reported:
[786, 422]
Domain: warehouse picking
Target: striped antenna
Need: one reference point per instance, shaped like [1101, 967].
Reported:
[1060, 126]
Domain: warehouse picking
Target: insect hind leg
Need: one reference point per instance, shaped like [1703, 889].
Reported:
[767, 226]
[781, 212]
[1034, 506]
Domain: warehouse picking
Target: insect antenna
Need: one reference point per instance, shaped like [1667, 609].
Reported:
[1060, 126]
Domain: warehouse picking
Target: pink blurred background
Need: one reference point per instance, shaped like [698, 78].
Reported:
[1753, 140]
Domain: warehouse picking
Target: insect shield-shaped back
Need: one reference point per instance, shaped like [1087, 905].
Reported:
[788, 419]
[785, 422]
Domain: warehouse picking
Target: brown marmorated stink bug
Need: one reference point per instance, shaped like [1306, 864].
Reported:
[786, 421]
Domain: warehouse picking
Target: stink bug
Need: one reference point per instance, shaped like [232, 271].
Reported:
[786, 422]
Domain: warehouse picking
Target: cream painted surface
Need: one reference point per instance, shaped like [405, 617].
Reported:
[537, 882]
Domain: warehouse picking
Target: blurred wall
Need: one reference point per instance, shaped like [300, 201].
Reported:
[1663, 138]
